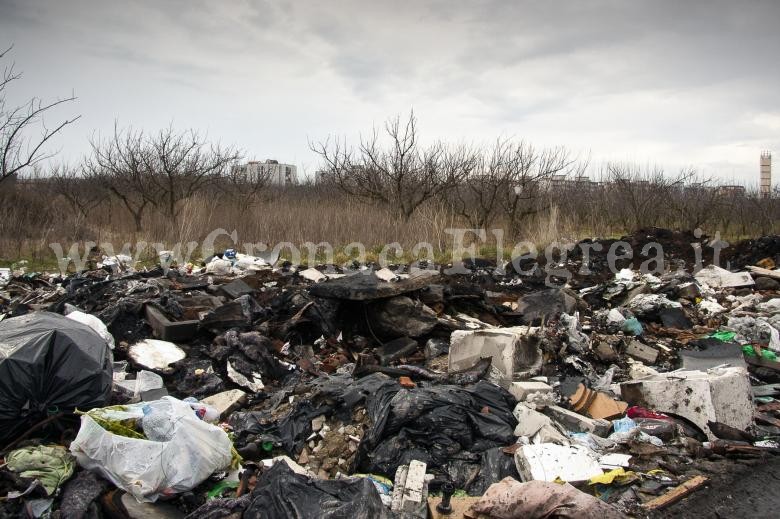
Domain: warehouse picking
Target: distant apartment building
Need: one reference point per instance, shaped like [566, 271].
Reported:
[565, 181]
[279, 174]
[733, 191]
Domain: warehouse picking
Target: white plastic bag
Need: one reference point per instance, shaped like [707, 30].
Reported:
[93, 322]
[149, 469]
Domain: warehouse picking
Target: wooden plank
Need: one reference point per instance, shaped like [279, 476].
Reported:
[675, 494]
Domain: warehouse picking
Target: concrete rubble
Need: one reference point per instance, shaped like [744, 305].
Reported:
[720, 395]
[392, 391]
[514, 351]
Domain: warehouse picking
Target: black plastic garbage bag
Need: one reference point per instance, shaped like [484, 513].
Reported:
[49, 364]
[436, 424]
[280, 492]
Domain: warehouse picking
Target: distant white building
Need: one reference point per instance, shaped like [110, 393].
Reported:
[280, 174]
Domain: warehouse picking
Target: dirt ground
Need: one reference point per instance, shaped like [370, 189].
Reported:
[746, 489]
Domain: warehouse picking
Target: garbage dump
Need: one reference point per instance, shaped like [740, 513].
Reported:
[249, 387]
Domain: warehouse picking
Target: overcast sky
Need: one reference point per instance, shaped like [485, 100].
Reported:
[668, 82]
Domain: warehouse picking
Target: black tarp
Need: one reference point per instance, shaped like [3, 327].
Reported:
[49, 364]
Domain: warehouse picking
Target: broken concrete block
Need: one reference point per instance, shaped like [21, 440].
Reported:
[514, 351]
[642, 352]
[718, 395]
[295, 467]
[603, 350]
[410, 489]
[521, 390]
[155, 355]
[548, 462]
[317, 423]
[717, 277]
[529, 421]
[226, 402]
[572, 421]
[596, 404]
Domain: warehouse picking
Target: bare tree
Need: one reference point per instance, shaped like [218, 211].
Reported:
[530, 171]
[79, 191]
[697, 202]
[18, 148]
[402, 175]
[119, 165]
[643, 195]
[160, 170]
[182, 164]
[476, 198]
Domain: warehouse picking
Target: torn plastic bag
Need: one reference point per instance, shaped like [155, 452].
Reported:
[280, 492]
[49, 364]
[189, 450]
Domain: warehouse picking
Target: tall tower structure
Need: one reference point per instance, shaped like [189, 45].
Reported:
[765, 187]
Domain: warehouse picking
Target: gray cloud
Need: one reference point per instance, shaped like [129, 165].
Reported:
[670, 82]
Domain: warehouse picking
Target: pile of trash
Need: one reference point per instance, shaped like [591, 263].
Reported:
[250, 387]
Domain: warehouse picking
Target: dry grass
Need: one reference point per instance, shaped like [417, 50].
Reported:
[31, 218]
